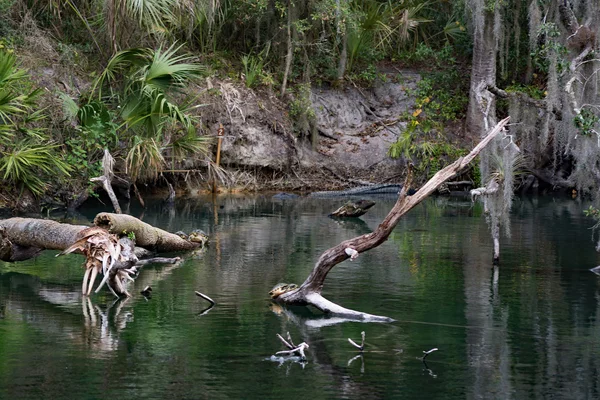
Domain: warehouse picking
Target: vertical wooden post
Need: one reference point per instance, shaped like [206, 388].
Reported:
[220, 132]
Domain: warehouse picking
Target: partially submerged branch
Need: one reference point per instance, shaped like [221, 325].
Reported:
[294, 350]
[309, 293]
[360, 346]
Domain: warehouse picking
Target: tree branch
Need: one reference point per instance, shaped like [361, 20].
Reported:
[309, 293]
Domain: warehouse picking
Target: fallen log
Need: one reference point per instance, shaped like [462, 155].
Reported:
[24, 238]
[40, 233]
[146, 235]
[309, 293]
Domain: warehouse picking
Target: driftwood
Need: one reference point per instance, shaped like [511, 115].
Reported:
[116, 259]
[309, 293]
[294, 350]
[24, 238]
[146, 235]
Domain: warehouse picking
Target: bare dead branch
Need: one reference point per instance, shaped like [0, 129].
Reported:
[309, 293]
[205, 297]
[107, 166]
[287, 344]
[360, 346]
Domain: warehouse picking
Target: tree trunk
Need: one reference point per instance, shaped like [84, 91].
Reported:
[22, 236]
[290, 48]
[309, 293]
[343, 32]
[146, 235]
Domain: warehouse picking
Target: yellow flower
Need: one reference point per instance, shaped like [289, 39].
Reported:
[427, 100]
[546, 93]
[417, 112]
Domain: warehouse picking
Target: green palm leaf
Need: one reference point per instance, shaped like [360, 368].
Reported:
[26, 162]
[168, 70]
[151, 12]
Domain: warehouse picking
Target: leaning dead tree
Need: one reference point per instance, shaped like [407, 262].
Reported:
[109, 246]
[309, 293]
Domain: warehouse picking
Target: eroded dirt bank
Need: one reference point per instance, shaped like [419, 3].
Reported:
[354, 130]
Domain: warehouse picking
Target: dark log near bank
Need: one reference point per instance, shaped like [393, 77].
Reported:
[309, 293]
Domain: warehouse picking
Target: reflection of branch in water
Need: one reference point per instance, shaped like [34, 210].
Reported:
[316, 322]
[362, 362]
[429, 371]
[206, 310]
[103, 337]
[290, 359]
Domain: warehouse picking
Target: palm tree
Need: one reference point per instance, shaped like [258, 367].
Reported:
[153, 122]
[26, 157]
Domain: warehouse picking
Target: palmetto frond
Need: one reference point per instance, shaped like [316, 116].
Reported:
[11, 103]
[8, 70]
[24, 162]
[189, 144]
[144, 159]
[169, 70]
[151, 13]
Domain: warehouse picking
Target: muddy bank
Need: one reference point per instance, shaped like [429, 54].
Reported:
[355, 128]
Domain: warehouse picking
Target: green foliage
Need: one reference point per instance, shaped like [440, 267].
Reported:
[440, 98]
[586, 122]
[23, 163]
[151, 80]
[594, 213]
[428, 155]
[94, 130]
[532, 91]
[253, 69]
[27, 159]
[368, 76]
[550, 47]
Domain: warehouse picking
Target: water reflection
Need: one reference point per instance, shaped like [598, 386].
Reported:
[527, 329]
[102, 327]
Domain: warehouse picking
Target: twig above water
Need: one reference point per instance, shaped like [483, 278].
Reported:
[205, 297]
[428, 352]
[360, 346]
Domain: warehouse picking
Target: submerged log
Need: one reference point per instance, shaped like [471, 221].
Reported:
[309, 293]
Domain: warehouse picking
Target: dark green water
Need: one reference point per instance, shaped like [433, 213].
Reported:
[530, 329]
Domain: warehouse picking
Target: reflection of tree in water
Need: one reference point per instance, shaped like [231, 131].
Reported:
[541, 345]
[532, 319]
[52, 309]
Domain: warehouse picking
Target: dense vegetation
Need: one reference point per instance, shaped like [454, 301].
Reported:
[536, 59]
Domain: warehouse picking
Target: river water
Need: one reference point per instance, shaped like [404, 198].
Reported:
[528, 329]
